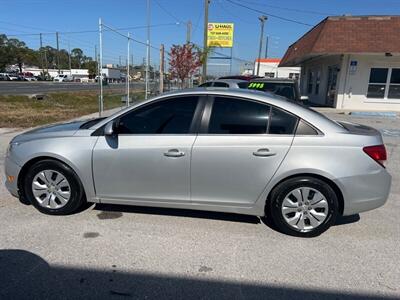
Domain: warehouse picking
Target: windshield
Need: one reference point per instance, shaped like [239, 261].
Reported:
[285, 89]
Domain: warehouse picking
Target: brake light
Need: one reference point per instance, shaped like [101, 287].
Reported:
[377, 153]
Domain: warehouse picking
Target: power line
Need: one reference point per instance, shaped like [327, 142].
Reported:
[90, 31]
[168, 12]
[232, 14]
[289, 9]
[270, 15]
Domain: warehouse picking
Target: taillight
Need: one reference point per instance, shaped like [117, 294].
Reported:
[377, 153]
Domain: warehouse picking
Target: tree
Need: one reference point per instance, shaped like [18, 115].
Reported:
[14, 51]
[77, 57]
[5, 55]
[184, 61]
[91, 65]
[18, 50]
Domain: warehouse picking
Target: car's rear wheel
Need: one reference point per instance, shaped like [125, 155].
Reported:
[303, 206]
[53, 188]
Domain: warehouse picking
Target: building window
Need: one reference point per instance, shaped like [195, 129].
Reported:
[310, 82]
[394, 87]
[317, 82]
[269, 74]
[377, 83]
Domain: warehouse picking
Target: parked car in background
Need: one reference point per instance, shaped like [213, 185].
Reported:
[13, 77]
[241, 77]
[286, 87]
[63, 78]
[226, 83]
[230, 150]
[4, 77]
[27, 76]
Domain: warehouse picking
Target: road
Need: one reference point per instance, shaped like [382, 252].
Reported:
[148, 253]
[42, 87]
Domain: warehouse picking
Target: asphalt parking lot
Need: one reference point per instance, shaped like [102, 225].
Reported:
[147, 253]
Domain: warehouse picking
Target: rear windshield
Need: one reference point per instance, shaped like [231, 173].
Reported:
[285, 89]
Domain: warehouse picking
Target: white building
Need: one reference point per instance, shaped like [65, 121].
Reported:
[350, 63]
[112, 74]
[75, 73]
[269, 67]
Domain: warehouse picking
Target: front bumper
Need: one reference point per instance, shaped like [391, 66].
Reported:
[12, 171]
[365, 192]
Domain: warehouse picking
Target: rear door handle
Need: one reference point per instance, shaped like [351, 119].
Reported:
[264, 152]
[174, 153]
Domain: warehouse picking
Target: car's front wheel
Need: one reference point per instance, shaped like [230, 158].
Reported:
[303, 206]
[53, 188]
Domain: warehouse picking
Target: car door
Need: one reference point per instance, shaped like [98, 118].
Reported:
[240, 147]
[149, 158]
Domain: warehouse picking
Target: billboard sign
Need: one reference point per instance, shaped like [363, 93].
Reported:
[220, 35]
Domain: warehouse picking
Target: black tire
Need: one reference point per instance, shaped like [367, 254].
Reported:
[279, 193]
[77, 197]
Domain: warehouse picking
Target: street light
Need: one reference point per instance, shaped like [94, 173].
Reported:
[262, 20]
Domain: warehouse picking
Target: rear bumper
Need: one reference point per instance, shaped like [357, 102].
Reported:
[12, 170]
[365, 192]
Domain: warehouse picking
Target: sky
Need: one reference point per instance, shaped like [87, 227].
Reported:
[26, 18]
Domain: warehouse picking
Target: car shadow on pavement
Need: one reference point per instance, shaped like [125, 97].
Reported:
[187, 213]
[25, 275]
[109, 209]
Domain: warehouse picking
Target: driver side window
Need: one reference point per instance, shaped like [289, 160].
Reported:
[171, 116]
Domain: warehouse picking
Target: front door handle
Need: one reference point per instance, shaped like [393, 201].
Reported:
[174, 153]
[264, 152]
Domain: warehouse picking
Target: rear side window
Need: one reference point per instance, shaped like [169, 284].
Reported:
[171, 116]
[221, 84]
[206, 84]
[282, 122]
[243, 85]
[234, 116]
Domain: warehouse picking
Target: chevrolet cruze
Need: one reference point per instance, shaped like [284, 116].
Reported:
[234, 151]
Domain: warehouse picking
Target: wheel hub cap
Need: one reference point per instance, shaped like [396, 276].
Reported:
[51, 189]
[304, 209]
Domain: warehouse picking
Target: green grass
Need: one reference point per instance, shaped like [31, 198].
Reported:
[23, 112]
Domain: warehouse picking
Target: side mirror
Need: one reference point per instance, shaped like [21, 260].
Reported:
[304, 98]
[110, 128]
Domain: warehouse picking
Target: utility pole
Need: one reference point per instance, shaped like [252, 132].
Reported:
[58, 54]
[96, 59]
[127, 70]
[188, 31]
[100, 67]
[69, 59]
[266, 46]
[41, 52]
[162, 68]
[204, 74]
[147, 51]
[262, 20]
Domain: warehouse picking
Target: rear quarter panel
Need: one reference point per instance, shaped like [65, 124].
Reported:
[340, 158]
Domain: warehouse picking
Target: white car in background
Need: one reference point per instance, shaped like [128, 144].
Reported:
[63, 78]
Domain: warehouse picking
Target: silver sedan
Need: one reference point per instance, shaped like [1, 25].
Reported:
[226, 150]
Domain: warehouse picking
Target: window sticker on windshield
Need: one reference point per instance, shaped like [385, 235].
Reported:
[256, 85]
